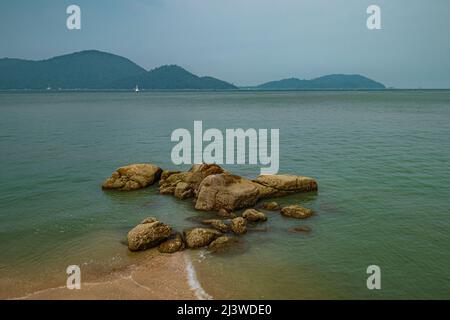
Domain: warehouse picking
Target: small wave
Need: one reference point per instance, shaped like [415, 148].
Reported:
[193, 281]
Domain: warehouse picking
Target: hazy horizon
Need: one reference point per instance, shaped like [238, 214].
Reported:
[245, 43]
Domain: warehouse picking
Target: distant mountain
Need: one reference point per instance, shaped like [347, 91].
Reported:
[94, 69]
[82, 70]
[173, 77]
[334, 81]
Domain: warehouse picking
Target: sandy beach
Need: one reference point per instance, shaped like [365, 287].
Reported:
[161, 277]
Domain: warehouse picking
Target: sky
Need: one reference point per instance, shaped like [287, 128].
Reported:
[245, 42]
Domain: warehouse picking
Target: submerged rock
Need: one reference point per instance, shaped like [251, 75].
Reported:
[253, 215]
[172, 245]
[222, 243]
[133, 177]
[148, 235]
[217, 224]
[239, 225]
[271, 206]
[258, 229]
[185, 184]
[304, 229]
[200, 237]
[225, 191]
[295, 211]
[226, 214]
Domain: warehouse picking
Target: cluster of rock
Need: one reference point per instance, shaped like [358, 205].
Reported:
[212, 189]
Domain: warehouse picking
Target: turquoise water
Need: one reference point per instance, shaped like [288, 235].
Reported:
[381, 160]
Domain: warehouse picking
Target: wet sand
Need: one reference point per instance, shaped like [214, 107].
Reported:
[162, 277]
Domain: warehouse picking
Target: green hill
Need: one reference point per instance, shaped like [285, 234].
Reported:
[97, 70]
[82, 70]
[335, 81]
[173, 77]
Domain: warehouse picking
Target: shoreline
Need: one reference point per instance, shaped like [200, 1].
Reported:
[161, 277]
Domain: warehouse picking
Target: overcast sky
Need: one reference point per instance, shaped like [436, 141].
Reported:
[245, 42]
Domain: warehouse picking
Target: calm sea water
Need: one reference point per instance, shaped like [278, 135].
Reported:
[381, 160]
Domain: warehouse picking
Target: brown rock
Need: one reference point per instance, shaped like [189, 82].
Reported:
[222, 243]
[239, 225]
[148, 235]
[295, 211]
[185, 184]
[167, 173]
[271, 206]
[225, 191]
[183, 190]
[217, 224]
[279, 185]
[172, 245]
[149, 220]
[200, 237]
[133, 177]
[253, 215]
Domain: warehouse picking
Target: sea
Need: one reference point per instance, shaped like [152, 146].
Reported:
[381, 160]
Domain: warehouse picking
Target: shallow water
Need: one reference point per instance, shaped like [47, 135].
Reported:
[381, 160]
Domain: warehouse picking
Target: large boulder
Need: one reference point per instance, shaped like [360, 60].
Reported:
[148, 235]
[185, 184]
[253, 215]
[172, 245]
[200, 237]
[239, 225]
[297, 212]
[283, 184]
[225, 191]
[133, 177]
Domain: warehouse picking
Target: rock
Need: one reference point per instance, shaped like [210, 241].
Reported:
[280, 185]
[183, 191]
[239, 225]
[271, 206]
[230, 192]
[167, 173]
[172, 245]
[149, 220]
[253, 215]
[148, 235]
[200, 237]
[133, 177]
[217, 224]
[295, 211]
[225, 191]
[300, 229]
[185, 184]
[226, 214]
[257, 229]
[196, 219]
[222, 243]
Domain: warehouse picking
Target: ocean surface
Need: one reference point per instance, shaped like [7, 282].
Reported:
[382, 161]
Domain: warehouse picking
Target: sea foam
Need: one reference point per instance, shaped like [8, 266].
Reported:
[195, 285]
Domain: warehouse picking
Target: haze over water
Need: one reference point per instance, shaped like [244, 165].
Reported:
[381, 160]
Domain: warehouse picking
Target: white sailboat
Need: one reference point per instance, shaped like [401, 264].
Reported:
[136, 89]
